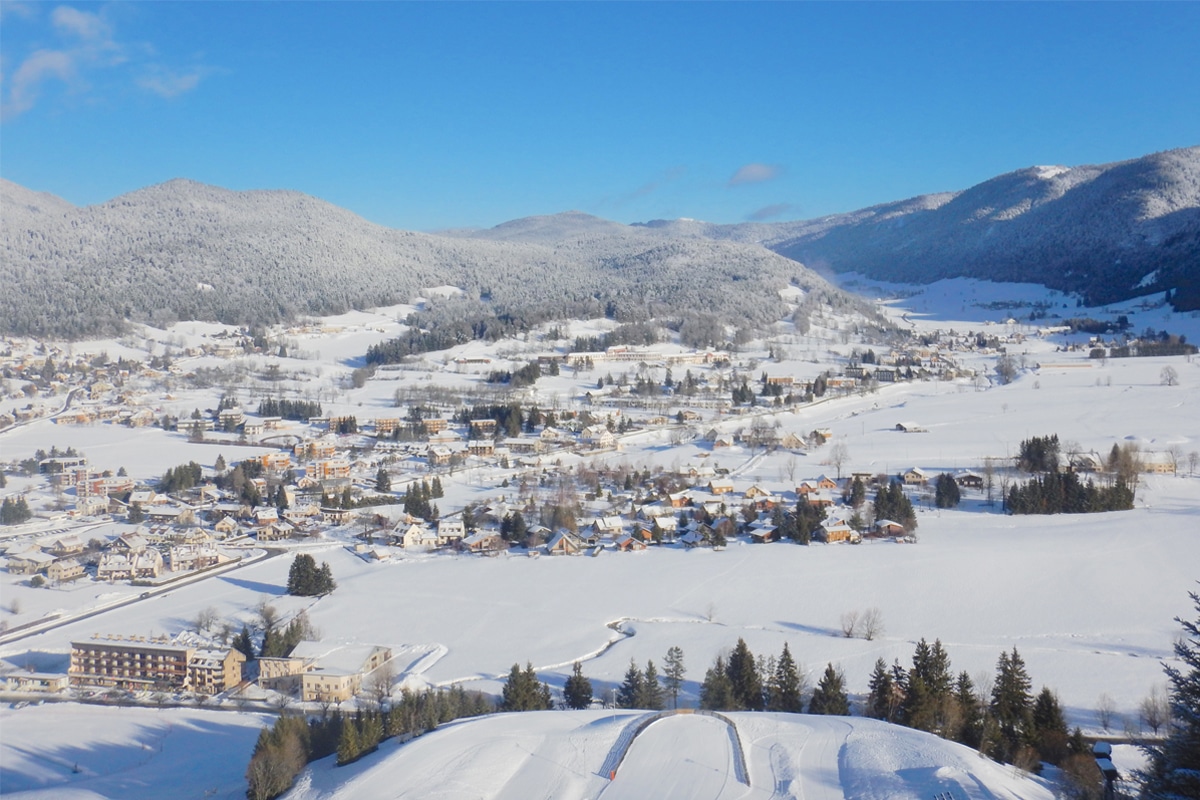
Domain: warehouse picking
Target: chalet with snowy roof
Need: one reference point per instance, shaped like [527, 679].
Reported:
[116, 566]
[834, 530]
[272, 531]
[438, 455]
[416, 537]
[227, 526]
[626, 543]
[762, 532]
[1086, 462]
[129, 543]
[63, 546]
[481, 447]
[914, 477]
[487, 543]
[172, 514]
[196, 556]
[64, 569]
[969, 480]
[888, 527]
[608, 526]
[337, 516]
[30, 562]
[910, 427]
[565, 543]
[450, 531]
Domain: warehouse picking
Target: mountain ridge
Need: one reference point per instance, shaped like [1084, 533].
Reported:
[183, 249]
[186, 250]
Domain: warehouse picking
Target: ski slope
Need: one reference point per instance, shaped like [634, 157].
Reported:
[562, 755]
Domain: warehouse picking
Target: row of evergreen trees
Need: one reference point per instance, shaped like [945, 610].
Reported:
[283, 749]
[1009, 724]
[1064, 493]
[181, 478]
[299, 410]
[14, 511]
[417, 497]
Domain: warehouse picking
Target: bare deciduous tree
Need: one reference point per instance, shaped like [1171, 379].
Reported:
[205, 619]
[838, 456]
[1155, 710]
[871, 625]
[1174, 457]
[1105, 708]
[268, 615]
[1168, 376]
[849, 623]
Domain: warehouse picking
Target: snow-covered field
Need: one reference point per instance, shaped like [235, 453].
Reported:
[568, 755]
[72, 752]
[1088, 600]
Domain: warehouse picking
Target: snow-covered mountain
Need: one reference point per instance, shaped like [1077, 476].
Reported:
[1108, 232]
[185, 250]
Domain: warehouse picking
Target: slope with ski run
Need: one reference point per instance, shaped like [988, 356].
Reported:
[564, 755]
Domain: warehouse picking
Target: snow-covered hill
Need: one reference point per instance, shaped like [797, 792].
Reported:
[187, 251]
[572, 755]
[1107, 232]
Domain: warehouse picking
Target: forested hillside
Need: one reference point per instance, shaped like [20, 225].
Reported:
[184, 250]
[1108, 232]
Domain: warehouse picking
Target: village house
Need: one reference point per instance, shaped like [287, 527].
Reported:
[195, 556]
[138, 564]
[417, 537]
[564, 543]
[63, 570]
[627, 542]
[834, 530]
[335, 673]
[914, 477]
[484, 543]
[450, 531]
[969, 480]
[29, 562]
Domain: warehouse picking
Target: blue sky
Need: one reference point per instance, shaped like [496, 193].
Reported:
[427, 116]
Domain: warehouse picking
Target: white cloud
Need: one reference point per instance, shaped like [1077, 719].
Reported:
[82, 24]
[755, 173]
[170, 84]
[26, 82]
[16, 8]
[88, 46]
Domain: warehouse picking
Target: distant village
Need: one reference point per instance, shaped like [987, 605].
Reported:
[372, 484]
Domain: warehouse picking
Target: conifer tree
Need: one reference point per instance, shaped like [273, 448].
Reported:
[830, 694]
[673, 672]
[786, 691]
[577, 691]
[348, 745]
[631, 690]
[744, 678]
[946, 492]
[970, 712]
[882, 698]
[1173, 770]
[1050, 735]
[1010, 705]
[652, 693]
[716, 693]
[383, 481]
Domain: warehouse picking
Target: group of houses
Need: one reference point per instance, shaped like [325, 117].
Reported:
[312, 671]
